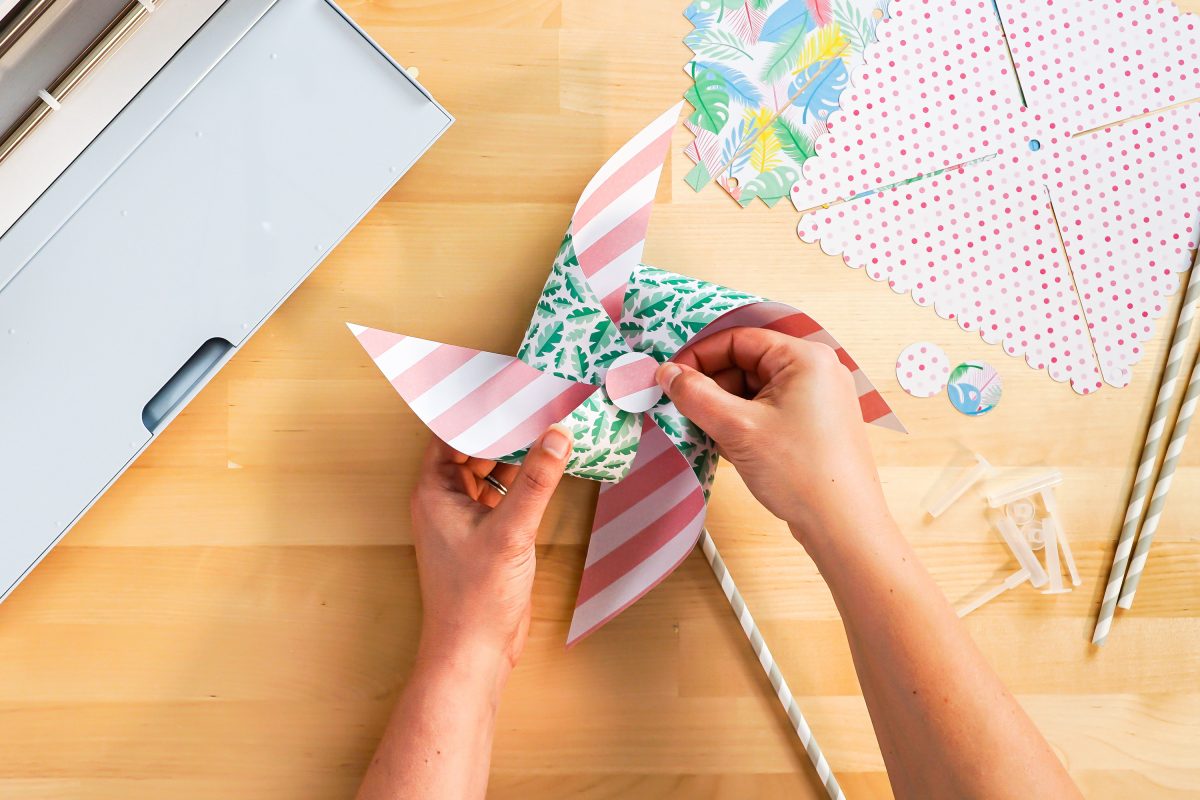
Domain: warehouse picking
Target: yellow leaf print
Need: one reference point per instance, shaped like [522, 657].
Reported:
[764, 155]
[822, 45]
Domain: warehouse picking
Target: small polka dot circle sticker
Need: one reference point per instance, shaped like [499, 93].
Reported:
[922, 369]
[975, 388]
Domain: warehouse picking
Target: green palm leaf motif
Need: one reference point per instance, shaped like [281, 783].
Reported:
[566, 254]
[709, 96]
[576, 362]
[679, 334]
[548, 338]
[670, 426]
[715, 43]
[627, 449]
[598, 427]
[958, 372]
[855, 25]
[577, 286]
[584, 315]
[652, 305]
[595, 459]
[624, 424]
[689, 301]
[796, 143]
[696, 322]
[603, 336]
[603, 362]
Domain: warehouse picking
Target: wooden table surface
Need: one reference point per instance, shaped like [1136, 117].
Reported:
[236, 616]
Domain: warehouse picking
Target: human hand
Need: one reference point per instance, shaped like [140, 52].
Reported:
[475, 548]
[785, 412]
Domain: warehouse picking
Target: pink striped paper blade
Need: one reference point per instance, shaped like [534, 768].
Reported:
[645, 526]
[783, 318]
[482, 404]
[608, 228]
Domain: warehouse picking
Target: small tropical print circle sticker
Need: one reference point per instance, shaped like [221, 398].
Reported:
[630, 383]
[922, 369]
[975, 388]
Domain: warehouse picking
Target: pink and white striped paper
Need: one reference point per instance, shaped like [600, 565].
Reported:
[483, 404]
[610, 220]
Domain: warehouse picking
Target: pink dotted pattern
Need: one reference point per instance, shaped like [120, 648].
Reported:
[981, 236]
[922, 369]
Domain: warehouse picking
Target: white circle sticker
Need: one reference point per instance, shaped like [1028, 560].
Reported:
[922, 369]
[630, 383]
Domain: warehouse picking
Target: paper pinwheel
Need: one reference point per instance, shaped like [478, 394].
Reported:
[603, 324]
[1050, 206]
[766, 76]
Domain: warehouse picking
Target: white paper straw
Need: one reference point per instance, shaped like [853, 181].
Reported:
[738, 604]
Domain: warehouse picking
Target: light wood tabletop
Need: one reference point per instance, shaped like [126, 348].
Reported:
[236, 616]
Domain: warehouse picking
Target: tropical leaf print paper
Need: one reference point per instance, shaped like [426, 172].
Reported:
[765, 77]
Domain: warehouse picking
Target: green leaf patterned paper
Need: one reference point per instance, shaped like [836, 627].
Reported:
[575, 339]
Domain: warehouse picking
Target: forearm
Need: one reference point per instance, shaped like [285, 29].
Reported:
[946, 725]
[438, 741]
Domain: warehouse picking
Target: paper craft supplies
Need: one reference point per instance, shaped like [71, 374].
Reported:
[1013, 512]
[974, 388]
[1008, 165]
[922, 369]
[1011, 582]
[1120, 587]
[1022, 550]
[765, 77]
[1041, 485]
[939, 501]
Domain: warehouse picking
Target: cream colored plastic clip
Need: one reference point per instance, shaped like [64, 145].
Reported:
[1054, 533]
[936, 506]
[1021, 549]
[1060, 533]
[1011, 582]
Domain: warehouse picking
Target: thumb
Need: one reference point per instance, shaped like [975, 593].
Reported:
[700, 399]
[530, 493]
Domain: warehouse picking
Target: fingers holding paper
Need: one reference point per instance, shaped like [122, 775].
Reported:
[786, 412]
[474, 541]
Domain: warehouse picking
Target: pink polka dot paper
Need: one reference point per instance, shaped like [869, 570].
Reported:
[922, 369]
[1056, 229]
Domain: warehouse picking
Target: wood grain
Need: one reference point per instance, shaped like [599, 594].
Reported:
[236, 616]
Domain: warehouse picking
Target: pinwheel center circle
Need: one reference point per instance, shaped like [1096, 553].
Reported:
[630, 383]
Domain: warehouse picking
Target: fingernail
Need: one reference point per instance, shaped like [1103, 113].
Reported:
[667, 373]
[556, 442]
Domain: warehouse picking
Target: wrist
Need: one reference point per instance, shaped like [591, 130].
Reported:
[476, 663]
[845, 524]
